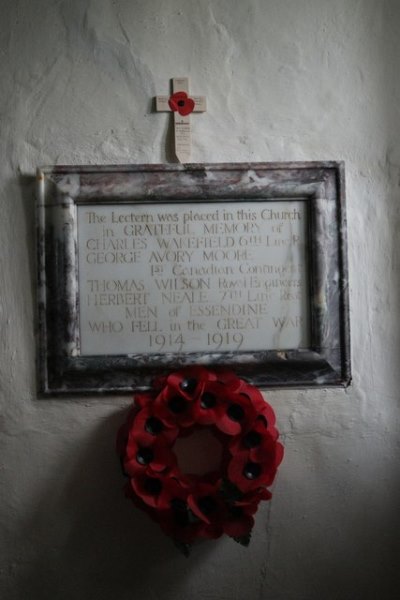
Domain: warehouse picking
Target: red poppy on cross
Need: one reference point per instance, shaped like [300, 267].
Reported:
[181, 104]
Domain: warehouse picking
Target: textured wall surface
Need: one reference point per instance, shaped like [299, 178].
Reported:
[285, 80]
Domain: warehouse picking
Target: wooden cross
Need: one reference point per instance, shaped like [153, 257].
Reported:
[182, 128]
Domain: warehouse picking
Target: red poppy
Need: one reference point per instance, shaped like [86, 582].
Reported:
[206, 503]
[189, 382]
[173, 409]
[255, 440]
[181, 102]
[264, 410]
[156, 491]
[248, 474]
[209, 406]
[174, 402]
[147, 454]
[238, 412]
[148, 422]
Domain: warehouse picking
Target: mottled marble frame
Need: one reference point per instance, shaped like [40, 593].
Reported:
[60, 189]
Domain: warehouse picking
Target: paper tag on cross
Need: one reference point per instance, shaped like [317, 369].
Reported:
[182, 105]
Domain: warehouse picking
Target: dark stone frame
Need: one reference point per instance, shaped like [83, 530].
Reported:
[320, 184]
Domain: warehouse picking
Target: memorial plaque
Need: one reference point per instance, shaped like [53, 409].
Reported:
[193, 277]
[148, 268]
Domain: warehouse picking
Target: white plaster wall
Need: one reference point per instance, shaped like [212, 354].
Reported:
[285, 80]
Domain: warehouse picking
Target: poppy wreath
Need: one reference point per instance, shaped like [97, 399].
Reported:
[186, 506]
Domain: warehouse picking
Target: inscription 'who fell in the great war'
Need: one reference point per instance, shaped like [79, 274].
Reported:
[193, 277]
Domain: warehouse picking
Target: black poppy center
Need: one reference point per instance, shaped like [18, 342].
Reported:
[144, 456]
[252, 470]
[153, 426]
[181, 103]
[207, 505]
[208, 400]
[188, 385]
[177, 405]
[153, 486]
[235, 412]
[252, 439]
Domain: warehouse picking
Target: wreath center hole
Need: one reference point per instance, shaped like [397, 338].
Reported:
[199, 453]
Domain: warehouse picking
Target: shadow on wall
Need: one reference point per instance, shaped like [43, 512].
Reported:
[90, 541]
[27, 187]
[168, 138]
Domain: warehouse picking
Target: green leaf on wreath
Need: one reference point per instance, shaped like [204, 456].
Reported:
[243, 540]
[183, 547]
[229, 491]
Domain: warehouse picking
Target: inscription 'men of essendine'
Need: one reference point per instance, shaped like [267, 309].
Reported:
[193, 277]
